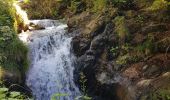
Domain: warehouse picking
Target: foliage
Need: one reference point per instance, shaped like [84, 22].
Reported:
[159, 5]
[121, 29]
[127, 59]
[162, 94]
[122, 4]
[83, 81]
[77, 6]
[99, 5]
[140, 19]
[13, 53]
[42, 9]
[118, 2]
[147, 47]
[6, 94]
[114, 50]
[58, 96]
[26, 1]
[122, 59]
[83, 98]
[125, 54]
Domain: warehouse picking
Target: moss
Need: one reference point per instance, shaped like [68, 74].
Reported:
[159, 5]
[99, 5]
[121, 29]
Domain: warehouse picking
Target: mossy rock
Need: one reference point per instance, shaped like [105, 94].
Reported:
[10, 76]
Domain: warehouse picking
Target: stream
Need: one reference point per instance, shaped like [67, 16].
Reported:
[51, 61]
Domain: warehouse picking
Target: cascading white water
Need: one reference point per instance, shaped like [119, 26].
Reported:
[51, 70]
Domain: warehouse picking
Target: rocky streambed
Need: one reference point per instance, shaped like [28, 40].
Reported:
[99, 50]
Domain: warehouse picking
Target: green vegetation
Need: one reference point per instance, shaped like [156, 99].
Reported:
[62, 8]
[58, 96]
[159, 5]
[83, 81]
[121, 29]
[99, 5]
[119, 2]
[6, 94]
[75, 5]
[147, 47]
[84, 95]
[162, 94]
[41, 9]
[13, 53]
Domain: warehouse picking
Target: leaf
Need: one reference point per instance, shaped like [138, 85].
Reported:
[87, 98]
[83, 98]
[58, 95]
[15, 94]
[2, 96]
[78, 97]
[13, 99]
[3, 90]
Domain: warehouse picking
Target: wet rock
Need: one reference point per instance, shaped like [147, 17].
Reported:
[90, 59]
[80, 45]
[98, 43]
[35, 27]
[21, 27]
[112, 39]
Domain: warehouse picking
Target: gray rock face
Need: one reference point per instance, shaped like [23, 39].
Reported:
[80, 45]
[89, 52]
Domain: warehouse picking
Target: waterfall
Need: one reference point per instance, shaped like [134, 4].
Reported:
[52, 63]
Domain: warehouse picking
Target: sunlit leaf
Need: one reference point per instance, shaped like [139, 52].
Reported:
[15, 94]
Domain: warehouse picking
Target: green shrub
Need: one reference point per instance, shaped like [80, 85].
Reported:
[159, 5]
[118, 2]
[114, 50]
[13, 53]
[83, 88]
[41, 9]
[74, 6]
[83, 81]
[58, 96]
[162, 94]
[121, 29]
[122, 4]
[146, 47]
[6, 94]
[127, 59]
[99, 5]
